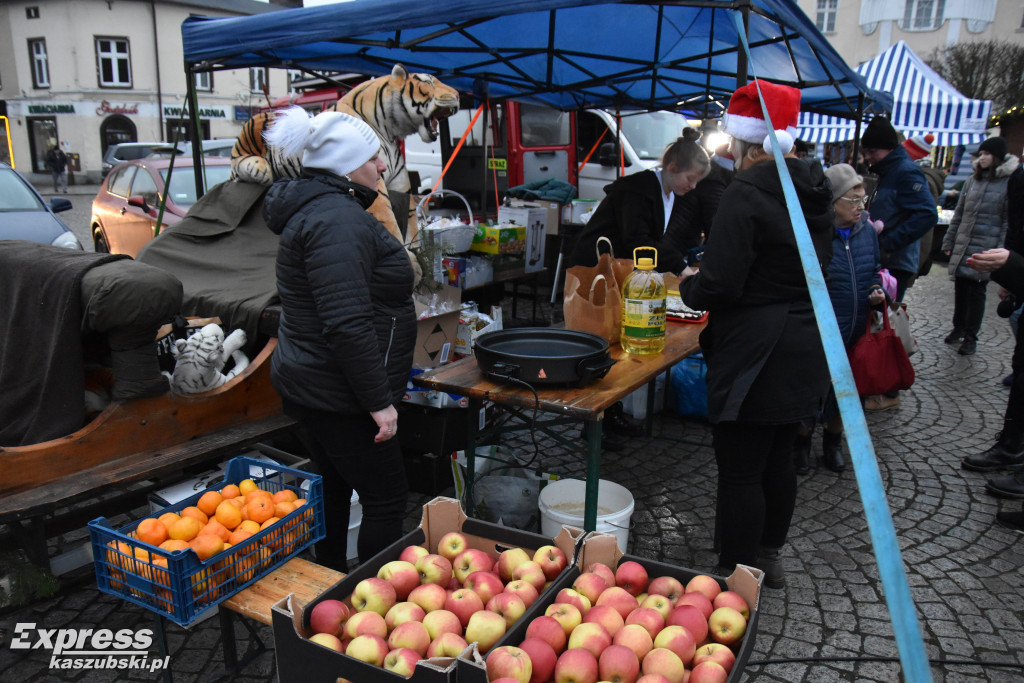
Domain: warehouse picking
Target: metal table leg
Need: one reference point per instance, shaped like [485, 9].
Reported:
[593, 474]
[475, 405]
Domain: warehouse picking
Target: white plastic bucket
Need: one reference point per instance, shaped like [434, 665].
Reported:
[562, 502]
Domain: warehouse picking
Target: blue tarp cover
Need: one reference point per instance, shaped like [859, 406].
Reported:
[665, 54]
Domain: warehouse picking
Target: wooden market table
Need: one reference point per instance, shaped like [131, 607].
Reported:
[565, 405]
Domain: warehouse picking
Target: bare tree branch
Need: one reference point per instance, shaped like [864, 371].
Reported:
[988, 70]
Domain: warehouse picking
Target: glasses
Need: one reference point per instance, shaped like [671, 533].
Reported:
[860, 201]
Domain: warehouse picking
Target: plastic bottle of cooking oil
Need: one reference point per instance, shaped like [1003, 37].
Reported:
[643, 307]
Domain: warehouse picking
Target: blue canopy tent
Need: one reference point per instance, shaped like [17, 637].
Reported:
[923, 103]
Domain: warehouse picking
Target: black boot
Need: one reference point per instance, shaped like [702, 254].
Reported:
[802, 454]
[1007, 453]
[1011, 520]
[1010, 486]
[955, 337]
[832, 451]
[616, 420]
[770, 562]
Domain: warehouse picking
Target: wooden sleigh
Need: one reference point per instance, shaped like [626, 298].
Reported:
[139, 440]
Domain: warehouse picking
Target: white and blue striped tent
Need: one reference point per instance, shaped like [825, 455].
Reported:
[923, 102]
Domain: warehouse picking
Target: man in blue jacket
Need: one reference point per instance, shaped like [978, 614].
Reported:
[901, 200]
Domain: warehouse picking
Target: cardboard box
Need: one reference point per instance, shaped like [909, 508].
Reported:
[552, 212]
[603, 548]
[301, 661]
[469, 331]
[500, 239]
[435, 335]
[466, 272]
[535, 218]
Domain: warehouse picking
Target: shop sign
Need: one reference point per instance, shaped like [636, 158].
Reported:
[51, 109]
[204, 112]
[242, 114]
[106, 109]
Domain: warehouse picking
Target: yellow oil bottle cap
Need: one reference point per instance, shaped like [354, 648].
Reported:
[645, 263]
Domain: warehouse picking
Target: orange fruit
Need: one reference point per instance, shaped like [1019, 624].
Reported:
[228, 514]
[249, 525]
[169, 518]
[237, 501]
[246, 485]
[260, 509]
[196, 513]
[208, 502]
[185, 529]
[172, 544]
[282, 509]
[206, 546]
[215, 528]
[239, 535]
[230, 491]
[151, 531]
[299, 502]
[269, 523]
[285, 496]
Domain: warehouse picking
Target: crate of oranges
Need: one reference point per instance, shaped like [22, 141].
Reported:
[188, 557]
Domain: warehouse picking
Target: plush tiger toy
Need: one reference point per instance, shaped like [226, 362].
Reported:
[200, 358]
[252, 161]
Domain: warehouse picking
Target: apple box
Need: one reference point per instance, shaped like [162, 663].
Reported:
[500, 239]
[437, 324]
[303, 661]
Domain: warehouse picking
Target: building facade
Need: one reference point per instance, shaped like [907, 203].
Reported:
[87, 74]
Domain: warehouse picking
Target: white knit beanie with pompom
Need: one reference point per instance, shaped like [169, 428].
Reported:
[330, 141]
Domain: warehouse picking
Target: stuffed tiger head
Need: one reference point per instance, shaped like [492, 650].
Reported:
[252, 161]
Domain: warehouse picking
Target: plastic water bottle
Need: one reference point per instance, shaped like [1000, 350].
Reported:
[643, 307]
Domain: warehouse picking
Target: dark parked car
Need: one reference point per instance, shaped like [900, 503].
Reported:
[130, 151]
[125, 210]
[24, 215]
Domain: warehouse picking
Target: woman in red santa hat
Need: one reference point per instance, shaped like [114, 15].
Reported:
[766, 365]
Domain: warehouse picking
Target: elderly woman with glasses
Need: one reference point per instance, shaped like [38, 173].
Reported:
[854, 285]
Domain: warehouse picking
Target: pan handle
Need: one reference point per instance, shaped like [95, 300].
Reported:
[594, 367]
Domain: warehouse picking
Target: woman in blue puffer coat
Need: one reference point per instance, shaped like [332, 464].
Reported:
[854, 286]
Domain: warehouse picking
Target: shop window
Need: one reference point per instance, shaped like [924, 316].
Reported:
[923, 15]
[113, 61]
[40, 63]
[257, 79]
[826, 17]
[42, 135]
[204, 81]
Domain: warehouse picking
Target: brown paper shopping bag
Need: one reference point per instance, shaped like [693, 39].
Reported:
[593, 295]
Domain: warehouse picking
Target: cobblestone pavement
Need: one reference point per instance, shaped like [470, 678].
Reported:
[831, 622]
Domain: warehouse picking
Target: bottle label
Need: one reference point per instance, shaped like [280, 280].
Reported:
[643, 318]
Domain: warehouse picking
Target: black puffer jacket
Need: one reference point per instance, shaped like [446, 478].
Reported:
[348, 325]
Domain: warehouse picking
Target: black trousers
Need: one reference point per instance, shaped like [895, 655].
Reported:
[347, 458]
[1015, 404]
[968, 305]
[756, 488]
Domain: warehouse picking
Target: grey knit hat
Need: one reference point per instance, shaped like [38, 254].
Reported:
[843, 178]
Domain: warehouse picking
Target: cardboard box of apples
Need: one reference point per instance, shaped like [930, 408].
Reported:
[623, 618]
[451, 587]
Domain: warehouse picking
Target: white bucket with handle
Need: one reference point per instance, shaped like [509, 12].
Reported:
[562, 502]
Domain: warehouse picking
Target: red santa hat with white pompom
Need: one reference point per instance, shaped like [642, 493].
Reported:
[744, 119]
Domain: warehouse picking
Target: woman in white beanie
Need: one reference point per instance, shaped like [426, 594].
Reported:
[348, 325]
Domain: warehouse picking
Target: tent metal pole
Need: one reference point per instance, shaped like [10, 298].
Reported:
[194, 135]
[483, 185]
[741, 55]
[856, 131]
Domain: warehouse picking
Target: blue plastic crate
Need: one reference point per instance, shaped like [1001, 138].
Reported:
[177, 585]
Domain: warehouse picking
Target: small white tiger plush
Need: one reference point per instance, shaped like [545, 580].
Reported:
[198, 360]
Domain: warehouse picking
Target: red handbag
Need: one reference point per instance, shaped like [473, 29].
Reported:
[879, 361]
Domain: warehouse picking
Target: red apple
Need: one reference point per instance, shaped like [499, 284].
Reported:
[509, 560]
[669, 586]
[551, 559]
[470, 561]
[524, 590]
[647, 617]
[652, 678]
[565, 614]
[365, 623]
[450, 545]
[664, 662]
[434, 569]
[590, 585]
[734, 600]
[618, 599]
[327, 616]
[509, 661]
[402, 575]
[402, 661]
[485, 584]
[543, 658]
[327, 640]
[576, 666]
[660, 603]
[618, 664]
[485, 628]
[726, 625]
[411, 553]
[463, 603]
[549, 630]
[690, 618]
[442, 621]
[708, 672]
[374, 595]
[698, 600]
[607, 616]
[453, 585]
[632, 576]
[636, 638]
[715, 652]
[590, 636]
[508, 605]
[429, 596]
[403, 612]
[574, 598]
[532, 573]
[602, 570]
[702, 583]
[412, 635]
[369, 649]
[447, 645]
[679, 640]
